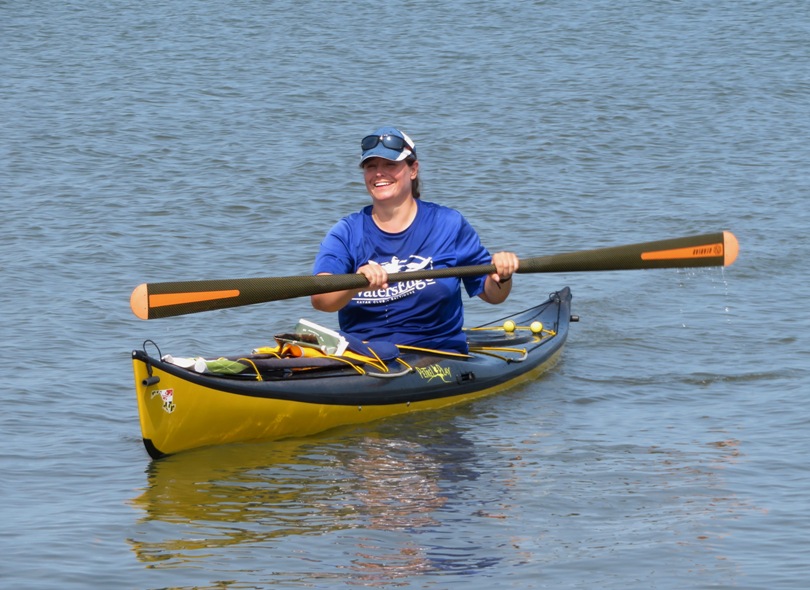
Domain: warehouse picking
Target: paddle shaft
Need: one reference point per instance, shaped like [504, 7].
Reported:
[159, 300]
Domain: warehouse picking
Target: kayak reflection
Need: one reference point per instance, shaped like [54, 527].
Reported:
[351, 487]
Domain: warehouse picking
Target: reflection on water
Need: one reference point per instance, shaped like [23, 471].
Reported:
[396, 485]
[380, 490]
[377, 505]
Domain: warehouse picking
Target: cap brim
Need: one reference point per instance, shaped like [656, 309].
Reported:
[380, 151]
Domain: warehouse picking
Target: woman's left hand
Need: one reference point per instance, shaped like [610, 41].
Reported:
[498, 284]
[506, 264]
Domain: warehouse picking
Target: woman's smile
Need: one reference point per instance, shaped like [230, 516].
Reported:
[387, 180]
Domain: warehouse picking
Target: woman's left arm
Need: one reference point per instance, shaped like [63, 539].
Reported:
[499, 284]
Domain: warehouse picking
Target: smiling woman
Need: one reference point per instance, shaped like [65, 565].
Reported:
[390, 184]
[396, 233]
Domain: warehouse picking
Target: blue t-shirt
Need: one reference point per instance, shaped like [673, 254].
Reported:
[425, 313]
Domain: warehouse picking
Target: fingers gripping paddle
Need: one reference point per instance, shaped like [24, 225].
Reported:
[161, 300]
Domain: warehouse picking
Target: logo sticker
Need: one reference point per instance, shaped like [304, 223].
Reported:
[435, 372]
[167, 396]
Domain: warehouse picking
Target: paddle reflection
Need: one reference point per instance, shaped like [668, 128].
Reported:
[199, 503]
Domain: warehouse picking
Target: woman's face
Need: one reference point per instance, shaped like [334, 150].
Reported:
[387, 180]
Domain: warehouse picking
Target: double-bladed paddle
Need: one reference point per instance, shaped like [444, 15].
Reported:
[161, 300]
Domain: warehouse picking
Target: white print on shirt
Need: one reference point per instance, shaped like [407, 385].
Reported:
[401, 289]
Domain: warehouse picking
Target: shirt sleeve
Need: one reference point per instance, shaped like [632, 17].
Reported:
[471, 252]
[334, 256]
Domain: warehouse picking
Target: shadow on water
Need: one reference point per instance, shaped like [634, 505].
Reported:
[367, 492]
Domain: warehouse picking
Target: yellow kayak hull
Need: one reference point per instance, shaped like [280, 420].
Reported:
[181, 409]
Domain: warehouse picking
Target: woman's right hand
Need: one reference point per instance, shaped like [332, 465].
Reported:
[376, 275]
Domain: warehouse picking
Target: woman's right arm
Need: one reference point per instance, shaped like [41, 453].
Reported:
[334, 301]
[377, 279]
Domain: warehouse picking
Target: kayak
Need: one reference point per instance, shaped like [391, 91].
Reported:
[299, 387]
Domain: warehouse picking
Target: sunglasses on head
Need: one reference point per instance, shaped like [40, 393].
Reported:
[392, 142]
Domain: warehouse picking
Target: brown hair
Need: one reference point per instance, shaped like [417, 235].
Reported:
[416, 185]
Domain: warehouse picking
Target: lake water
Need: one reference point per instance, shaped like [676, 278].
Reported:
[155, 141]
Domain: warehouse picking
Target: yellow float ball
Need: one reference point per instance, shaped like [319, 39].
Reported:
[509, 326]
[536, 327]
